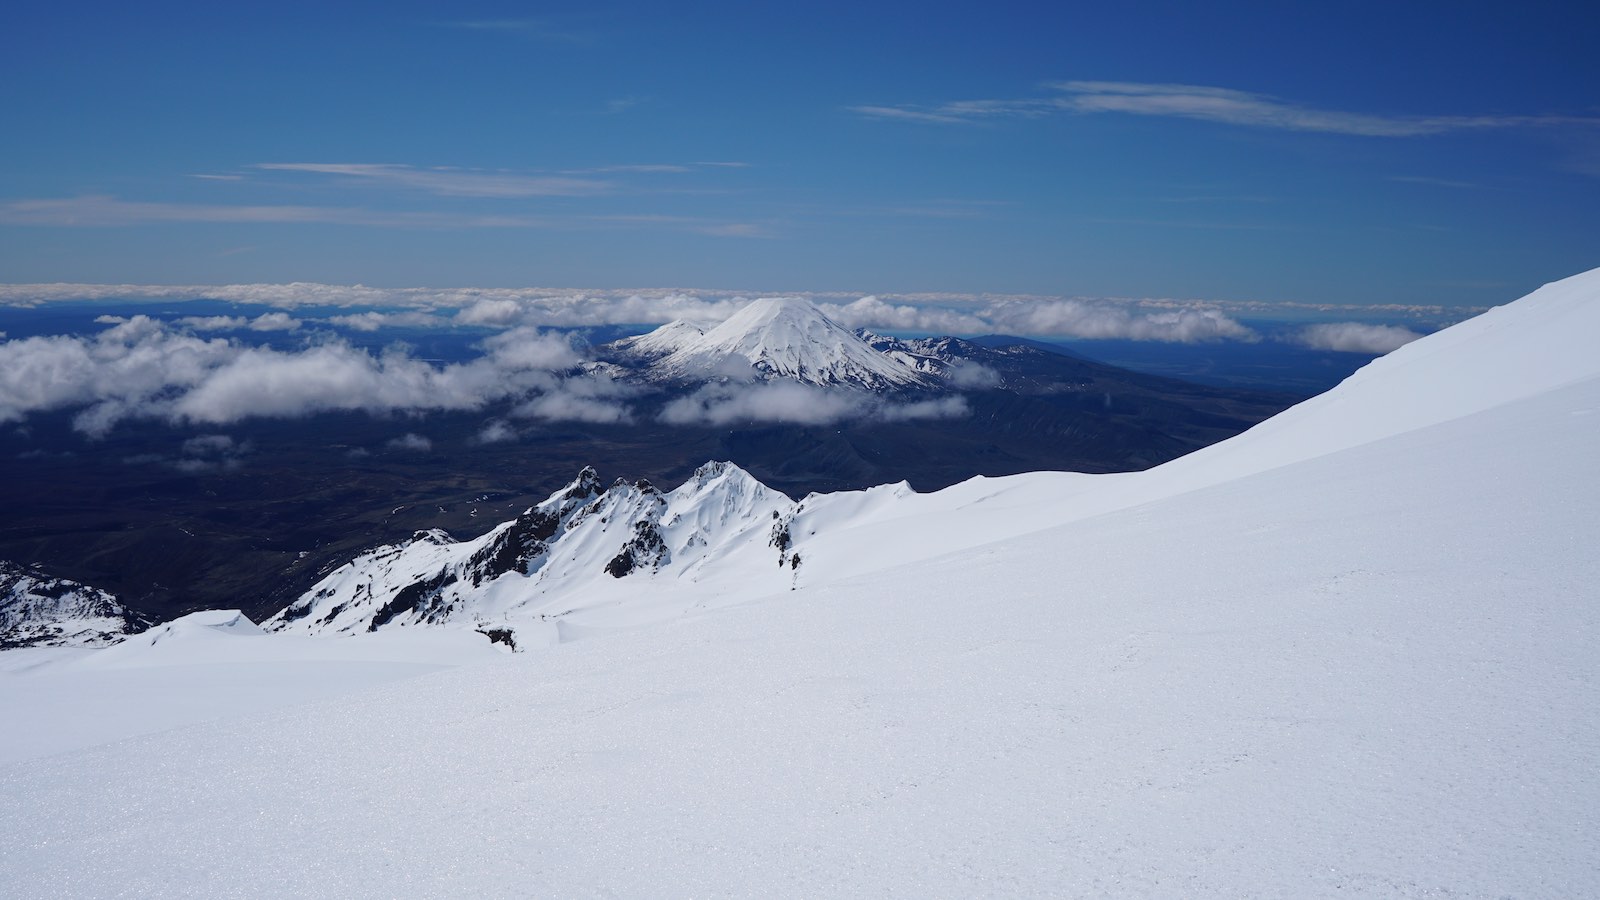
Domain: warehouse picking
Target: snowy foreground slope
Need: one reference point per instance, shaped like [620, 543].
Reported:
[1355, 651]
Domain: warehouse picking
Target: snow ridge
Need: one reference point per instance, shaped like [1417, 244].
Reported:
[37, 610]
[561, 556]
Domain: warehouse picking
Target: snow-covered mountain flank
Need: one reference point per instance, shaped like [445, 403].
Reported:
[770, 338]
[37, 610]
[1353, 652]
[526, 577]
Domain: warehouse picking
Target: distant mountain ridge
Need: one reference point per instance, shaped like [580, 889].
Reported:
[520, 580]
[38, 610]
[314, 494]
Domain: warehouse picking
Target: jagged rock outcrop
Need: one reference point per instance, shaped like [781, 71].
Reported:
[555, 556]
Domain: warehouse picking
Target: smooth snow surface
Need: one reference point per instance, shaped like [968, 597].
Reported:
[1352, 652]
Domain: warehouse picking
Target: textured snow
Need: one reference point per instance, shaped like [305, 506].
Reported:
[205, 666]
[1351, 652]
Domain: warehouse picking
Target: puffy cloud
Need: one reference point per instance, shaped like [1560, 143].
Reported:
[529, 348]
[372, 320]
[141, 368]
[272, 321]
[595, 398]
[1355, 337]
[496, 431]
[128, 365]
[491, 312]
[561, 406]
[797, 403]
[1102, 321]
[410, 442]
[871, 312]
[972, 376]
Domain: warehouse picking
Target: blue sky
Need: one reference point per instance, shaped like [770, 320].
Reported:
[1373, 153]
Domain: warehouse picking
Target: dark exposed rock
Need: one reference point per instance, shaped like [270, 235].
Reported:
[500, 636]
[645, 548]
[422, 596]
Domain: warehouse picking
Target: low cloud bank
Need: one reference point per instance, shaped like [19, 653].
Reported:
[799, 404]
[1355, 337]
[142, 368]
[1145, 320]
[1102, 321]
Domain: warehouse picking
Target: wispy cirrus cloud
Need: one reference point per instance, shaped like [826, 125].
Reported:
[1208, 104]
[453, 182]
[103, 210]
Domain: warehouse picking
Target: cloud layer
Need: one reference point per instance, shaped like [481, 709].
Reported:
[1355, 337]
[142, 368]
[370, 309]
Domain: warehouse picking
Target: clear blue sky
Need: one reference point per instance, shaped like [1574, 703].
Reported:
[1364, 153]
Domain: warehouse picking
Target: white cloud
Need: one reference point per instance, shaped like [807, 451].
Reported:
[451, 181]
[105, 211]
[496, 431]
[1355, 337]
[411, 442]
[924, 313]
[1104, 321]
[797, 403]
[561, 406]
[372, 320]
[273, 321]
[492, 312]
[1204, 103]
[972, 376]
[595, 398]
[140, 368]
[211, 323]
[872, 312]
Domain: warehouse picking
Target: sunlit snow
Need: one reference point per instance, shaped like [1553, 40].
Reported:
[1350, 652]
